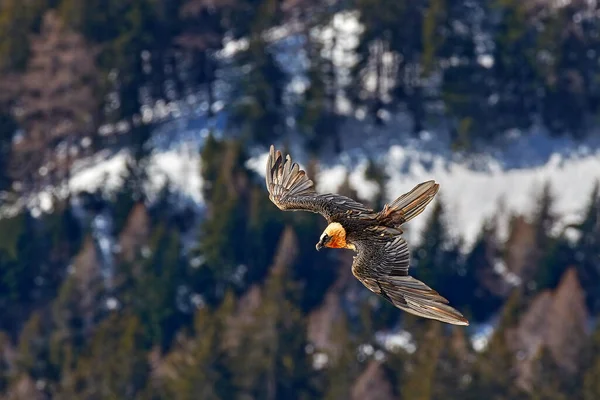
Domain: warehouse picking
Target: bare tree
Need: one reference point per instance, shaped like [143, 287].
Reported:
[57, 107]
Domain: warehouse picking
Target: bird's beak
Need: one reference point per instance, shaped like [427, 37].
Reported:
[319, 246]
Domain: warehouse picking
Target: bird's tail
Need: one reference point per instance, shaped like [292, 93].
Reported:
[415, 297]
[410, 204]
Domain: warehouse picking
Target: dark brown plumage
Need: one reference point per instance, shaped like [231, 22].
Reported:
[382, 259]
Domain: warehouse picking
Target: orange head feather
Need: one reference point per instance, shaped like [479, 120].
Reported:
[334, 237]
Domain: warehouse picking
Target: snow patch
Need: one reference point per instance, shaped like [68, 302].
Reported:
[472, 190]
[179, 166]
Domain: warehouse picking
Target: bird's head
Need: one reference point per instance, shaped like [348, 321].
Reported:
[334, 236]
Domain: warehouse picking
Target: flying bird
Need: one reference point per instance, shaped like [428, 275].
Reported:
[382, 258]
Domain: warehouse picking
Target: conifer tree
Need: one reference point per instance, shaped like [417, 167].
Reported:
[453, 370]
[17, 20]
[486, 381]
[397, 81]
[343, 366]
[419, 383]
[590, 389]
[376, 173]
[549, 383]
[199, 366]
[479, 267]
[318, 116]
[33, 350]
[118, 347]
[149, 287]
[8, 127]
[271, 361]
[258, 112]
[438, 260]
[587, 250]
[516, 77]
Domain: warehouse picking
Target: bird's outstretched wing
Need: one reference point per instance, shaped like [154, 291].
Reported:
[382, 266]
[290, 189]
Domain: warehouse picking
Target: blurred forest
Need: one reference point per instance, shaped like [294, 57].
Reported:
[115, 295]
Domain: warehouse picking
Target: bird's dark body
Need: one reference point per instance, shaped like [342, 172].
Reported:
[382, 259]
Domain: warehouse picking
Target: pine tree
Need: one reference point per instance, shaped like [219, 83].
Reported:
[516, 78]
[201, 36]
[553, 253]
[487, 382]
[587, 251]
[397, 82]
[5, 367]
[376, 173]
[449, 45]
[17, 21]
[31, 266]
[199, 366]
[78, 306]
[342, 367]
[8, 128]
[570, 88]
[438, 260]
[590, 389]
[33, 350]
[118, 346]
[419, 383]
[453, 371]
[271, 361]
[225, 222]
[489, 286]
[150, 284]
[549, 382]
[258, 112]
[318, 116]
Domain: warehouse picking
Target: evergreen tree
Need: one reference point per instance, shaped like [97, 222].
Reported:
[202, 30]
[549, 382]
[587, 253]
[199, 366]
[479, 267]
[33, 351]
[342, 367]
[318, 116]
[225, 222]
[515, 76]
[258, 111]
[453, 370]
[376, 173]
[78, 306]
[17, 21]
[439, 263]
[553, 253]
[8, 127]
[419, 383]
[150, 285]
[398, 81]
[271, 360]
[590, 389]
[32, 260]
[5, 367]
[118, 347]
[571, 89]
[449, 45]
[487, 382]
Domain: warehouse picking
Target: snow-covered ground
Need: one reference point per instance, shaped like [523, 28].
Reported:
[472, 187]
[475, 187]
